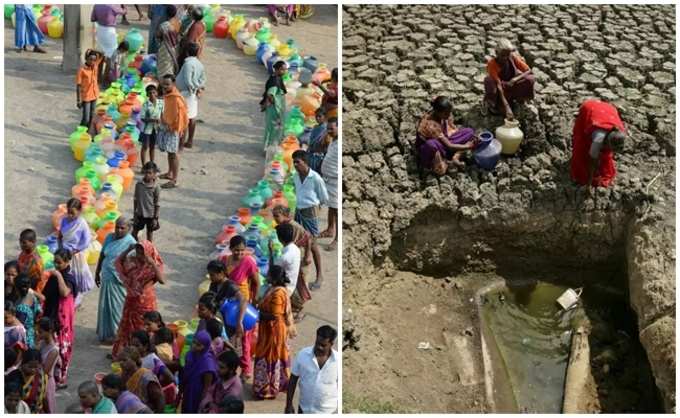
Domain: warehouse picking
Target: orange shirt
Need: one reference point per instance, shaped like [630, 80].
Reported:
[86, 78]
[494, 69]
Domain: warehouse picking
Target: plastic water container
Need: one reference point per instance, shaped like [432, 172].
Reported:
[488, 152]
[569, 298]
[230, 310]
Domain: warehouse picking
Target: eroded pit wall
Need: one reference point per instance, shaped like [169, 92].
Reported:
[395, 59]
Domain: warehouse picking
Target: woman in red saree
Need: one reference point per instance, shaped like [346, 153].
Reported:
[139, 273]
[242, 270]
[598, 133]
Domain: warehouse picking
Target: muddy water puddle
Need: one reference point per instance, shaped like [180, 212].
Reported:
[532, 335]
[529, 337]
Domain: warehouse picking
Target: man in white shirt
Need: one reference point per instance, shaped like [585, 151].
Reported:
[316, 369]
[310, 193]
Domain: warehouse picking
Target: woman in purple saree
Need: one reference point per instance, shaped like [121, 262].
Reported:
[75, 236]
[438, 141]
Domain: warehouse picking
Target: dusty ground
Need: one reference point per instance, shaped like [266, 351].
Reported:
[395, 60]
[227, 159]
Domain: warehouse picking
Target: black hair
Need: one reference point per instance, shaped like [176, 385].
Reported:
[320, 111]
[11, 357]
[327, 332]
[150, 165]
[143, 338]
[13, 386]
[163, 335]
[89, 54]
[124, 46]
[334, 73]
[214, 327]
[283, 209]
[22, 282]
[215, 266]
[46, 324]
[113, 381]
[236, 240]
[150, 88]
[12, 264]
[285, 232]
[192, 49]
[30, 355]
[332, 120]
[197, 13]
[154, 316]
[441, 104]
[301, 155]
[170, 76]
[170, 11]
[74, 203]
[209, 300]
[279, 64]
[10, 307]
[277, 276]
[231, 405]
[230, 359]
[28, 235]
[63, 253]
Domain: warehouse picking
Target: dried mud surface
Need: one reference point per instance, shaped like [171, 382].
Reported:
[395, 59]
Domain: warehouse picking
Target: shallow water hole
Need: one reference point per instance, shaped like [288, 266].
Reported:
[516, 271]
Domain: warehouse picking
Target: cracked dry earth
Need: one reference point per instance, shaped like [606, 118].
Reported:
[402, 230]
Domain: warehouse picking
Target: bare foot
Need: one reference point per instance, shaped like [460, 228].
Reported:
[166, 176]
[326, 234]
[332, 246]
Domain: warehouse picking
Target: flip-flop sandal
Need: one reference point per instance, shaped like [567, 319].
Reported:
[169, 185]
[164, 177]
[314, 286]
[332, 247]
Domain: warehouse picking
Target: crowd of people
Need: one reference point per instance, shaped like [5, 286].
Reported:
[156, 366]
[597, 135]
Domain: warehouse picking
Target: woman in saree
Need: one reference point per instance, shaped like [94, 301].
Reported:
[112, 289]
[199, 373]
[139, 273]
[167, 37]
[27, 307]
[274, 105]
[438, 141]
[278, 10]
[242, 270]
[61, 291]
[33, 382]
[140, 381]
[49, 354]
[509, 79]
[272, 362]
[195, 32]
[75, 236]
[26, 30]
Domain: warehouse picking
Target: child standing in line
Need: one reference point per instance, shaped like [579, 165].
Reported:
[317, 141]
[87, 86]
[152, 109]
[146, 202]
[29, 262]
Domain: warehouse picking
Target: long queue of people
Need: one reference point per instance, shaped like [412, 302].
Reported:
[157, 367]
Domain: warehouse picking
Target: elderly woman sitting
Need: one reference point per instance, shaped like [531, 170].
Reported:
[509, 80]
[438, 141]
